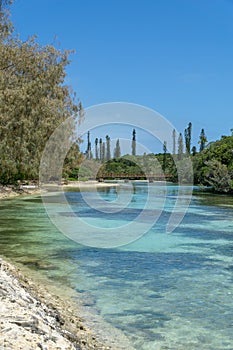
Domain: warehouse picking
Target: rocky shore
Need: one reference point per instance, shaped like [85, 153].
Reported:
[11, 191]
[31, 318]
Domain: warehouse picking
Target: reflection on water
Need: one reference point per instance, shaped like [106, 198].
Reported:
[163, 291]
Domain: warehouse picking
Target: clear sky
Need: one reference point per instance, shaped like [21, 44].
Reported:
[174, 56]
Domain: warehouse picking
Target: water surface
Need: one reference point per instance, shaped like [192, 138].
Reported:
[162, 291]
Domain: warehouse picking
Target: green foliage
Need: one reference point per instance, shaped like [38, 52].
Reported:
[215, 164]
[194, 150]
[142, 166]
[126, 165]
[86, 170]
[217, 176]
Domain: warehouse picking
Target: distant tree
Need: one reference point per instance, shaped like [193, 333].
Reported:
[187, 135]
[101, 149]
[117, 150]
[108, 148]
[96, 149]
[203, 140]
[164, 155]
[180, 147]
[194, 150]
[134, 143]
[103, 152]
[174, 141]
[88, 151]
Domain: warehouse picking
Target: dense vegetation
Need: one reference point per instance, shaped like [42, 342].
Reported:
[214, 165]
[33, 101]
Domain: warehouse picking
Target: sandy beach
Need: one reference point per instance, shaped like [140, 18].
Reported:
[89, 184]
[10, 191]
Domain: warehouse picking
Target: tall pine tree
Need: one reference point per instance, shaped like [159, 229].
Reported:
[180, 147]
[117, 150]
[101, 149]
[203, 140]
[108, 148]
[174, 141]
[134, 143]
[188, 135]
[96, 149]
[164, 156]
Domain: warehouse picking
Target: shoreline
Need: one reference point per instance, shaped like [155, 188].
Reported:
[46, 307]
[89, 184]
[8, 192]
[33, 316]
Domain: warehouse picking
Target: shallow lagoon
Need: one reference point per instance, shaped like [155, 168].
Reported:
[162, 291]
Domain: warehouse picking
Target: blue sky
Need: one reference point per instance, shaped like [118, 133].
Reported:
[174, 56]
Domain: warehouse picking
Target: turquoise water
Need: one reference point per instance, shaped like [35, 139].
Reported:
[163, 291]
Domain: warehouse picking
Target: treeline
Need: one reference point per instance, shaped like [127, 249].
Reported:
[181, 145]
[33, 101]
[212, 162]
[103, 148]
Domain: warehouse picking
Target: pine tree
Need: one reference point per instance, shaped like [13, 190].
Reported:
[101, 149]
[174, 141]
[88, 151]
[134, 143]
[180, 147]
[103, 152]
[187, 134]
[164, 155]
[194, 150]
[203, 140]
[108, 148]
[96, 149]
[117, 150]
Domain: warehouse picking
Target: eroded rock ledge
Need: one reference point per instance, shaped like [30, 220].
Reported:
[31, 318]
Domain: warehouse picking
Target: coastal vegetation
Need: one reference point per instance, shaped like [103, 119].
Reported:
[212, 163]
[34, 101]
